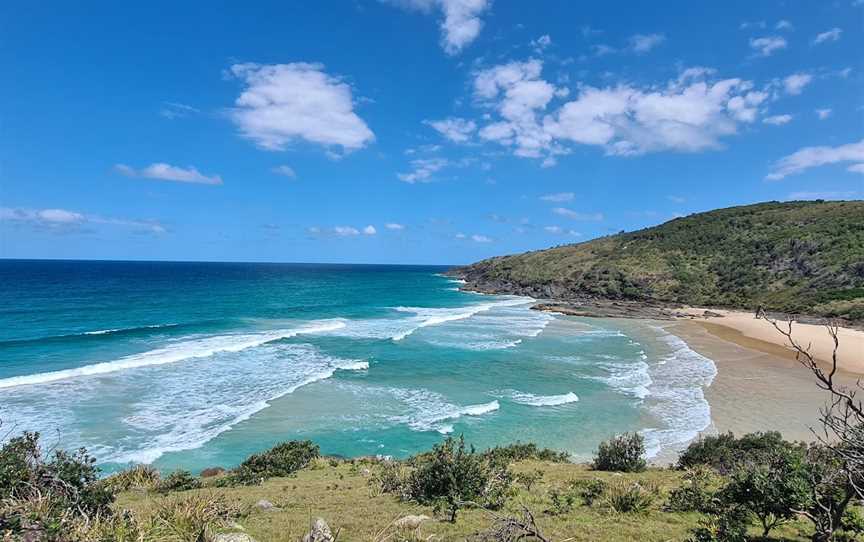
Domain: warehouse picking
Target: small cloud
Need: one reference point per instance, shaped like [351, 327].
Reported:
[369, 230]
[642, 43]
[575, 215]
[481, 238]
[65, 221]
[810, 157]
[541, 43]
[423, 169]
[830, 35]
[783, 24]
[795, 83]
[345, 231]
[553, 229]
[166, 172]
[460, 235]
[823, 113]
[676, 199]
[603, 50]
[778, 120]
[285, 171]
[559, 197]
[797, 196]
[751, 24]
[455, 129]
[394, 226]
[766, 46]
[174, 110]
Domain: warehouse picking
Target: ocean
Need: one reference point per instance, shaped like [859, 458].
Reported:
[192, 365]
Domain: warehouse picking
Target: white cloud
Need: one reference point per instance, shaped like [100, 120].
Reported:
[423, 169]
[461, 23]
[370, 230]
[823, 113]
[63, 221]
[751, 24]
[821, 195]
[394, 226]
[285, 171]
[553, 229]
[575, 215]
[345, 231]
[796, 82]
[455, 129]
[541, 43]
[283, 103]
[810, 157]
[767, 45]
[783, 24]
[676, 199]
[166, 172]
[481, 238]
[174, 110]
[777, 120]
[559, 197]
[460, 235]
[830, 35]
[642, 43]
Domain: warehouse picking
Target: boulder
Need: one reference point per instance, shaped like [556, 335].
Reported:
[265, 506]
[233, 537]
[410, 522]
[320, 532]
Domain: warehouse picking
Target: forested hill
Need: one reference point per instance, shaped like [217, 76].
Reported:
[803, 257]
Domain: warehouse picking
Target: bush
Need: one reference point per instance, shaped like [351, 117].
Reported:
[696, 494]
[192, 518]
[451, 476]
[391, 477]
[179, 480]
[592, 491]
[630, 497]
[723, 452]
[46, 495]
[621, 454]
[282, 460]
[727, 526]
[519, 451]
[561, 501]
[140, 477]
[528, 479]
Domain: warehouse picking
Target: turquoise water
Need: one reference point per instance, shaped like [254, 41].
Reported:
[200, 364]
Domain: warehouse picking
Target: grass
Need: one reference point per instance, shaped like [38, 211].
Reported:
[340, 492]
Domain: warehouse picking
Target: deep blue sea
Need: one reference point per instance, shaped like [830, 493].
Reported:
[200, 364]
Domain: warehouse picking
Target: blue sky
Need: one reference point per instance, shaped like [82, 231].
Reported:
[411, 131]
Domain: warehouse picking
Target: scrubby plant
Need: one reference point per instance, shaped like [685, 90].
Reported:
[724, 451]
[281, 460]
[696, 493]
[122, 527]
[191, 518]
[179, 480]
[138, 477]
[391, 477]
[592, 490]
[561, 500]
[452, 476]
[630, 497]
[623, 453]
[528, 479]
[729, 525]
[521, 451]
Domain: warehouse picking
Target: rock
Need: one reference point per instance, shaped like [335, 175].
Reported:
[320, 532]
[211, 471]
[365, 472]
[712, 314]
[410, 522]
[265, 506]
[233, 537]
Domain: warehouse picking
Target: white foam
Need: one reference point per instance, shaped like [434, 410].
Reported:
[355, 366]
[426, 317]
[178, 351]
[542, 400]
[119, 329]
[430, 409]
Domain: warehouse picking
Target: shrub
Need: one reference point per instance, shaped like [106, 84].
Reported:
[191, 518]
[452, 476]
[696, 494]
[140, 477]
[723, 452]
[592, 491]
[622, 454]
[282, 460]
[630, 497]
[561, 501]
[121, 527]
[391, 477]
[728, 526]
[528, 479]
[519, 451]
[179, 480]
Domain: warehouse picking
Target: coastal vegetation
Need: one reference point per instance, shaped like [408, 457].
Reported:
[794, 257]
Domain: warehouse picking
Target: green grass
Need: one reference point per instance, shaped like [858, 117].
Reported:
[805, 257]
[341, 493]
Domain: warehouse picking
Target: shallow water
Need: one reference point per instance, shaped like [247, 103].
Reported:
[193, 365]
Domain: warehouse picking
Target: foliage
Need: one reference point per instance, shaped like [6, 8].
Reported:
[452, 476]
[561, 500]
[771, 490]
[139, 477]
[281, 460]
[592, 491]
[728, 525]
[622, 453]
[391, 477]
[697, 492]
[630, 497]
[723, 452]
[191, 518]
[528, 479]
[830, 493]
[796, 257]
[179, 480]
[520, 451]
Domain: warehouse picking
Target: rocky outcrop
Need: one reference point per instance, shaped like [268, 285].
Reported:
[320, 532]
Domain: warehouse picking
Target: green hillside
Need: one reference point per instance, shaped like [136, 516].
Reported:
[803, 257]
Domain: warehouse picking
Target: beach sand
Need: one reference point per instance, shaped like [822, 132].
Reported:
[759, 386]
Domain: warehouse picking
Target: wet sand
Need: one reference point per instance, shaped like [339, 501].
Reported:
[759, 386]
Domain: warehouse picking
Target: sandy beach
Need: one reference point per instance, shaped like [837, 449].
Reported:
[759, 386]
